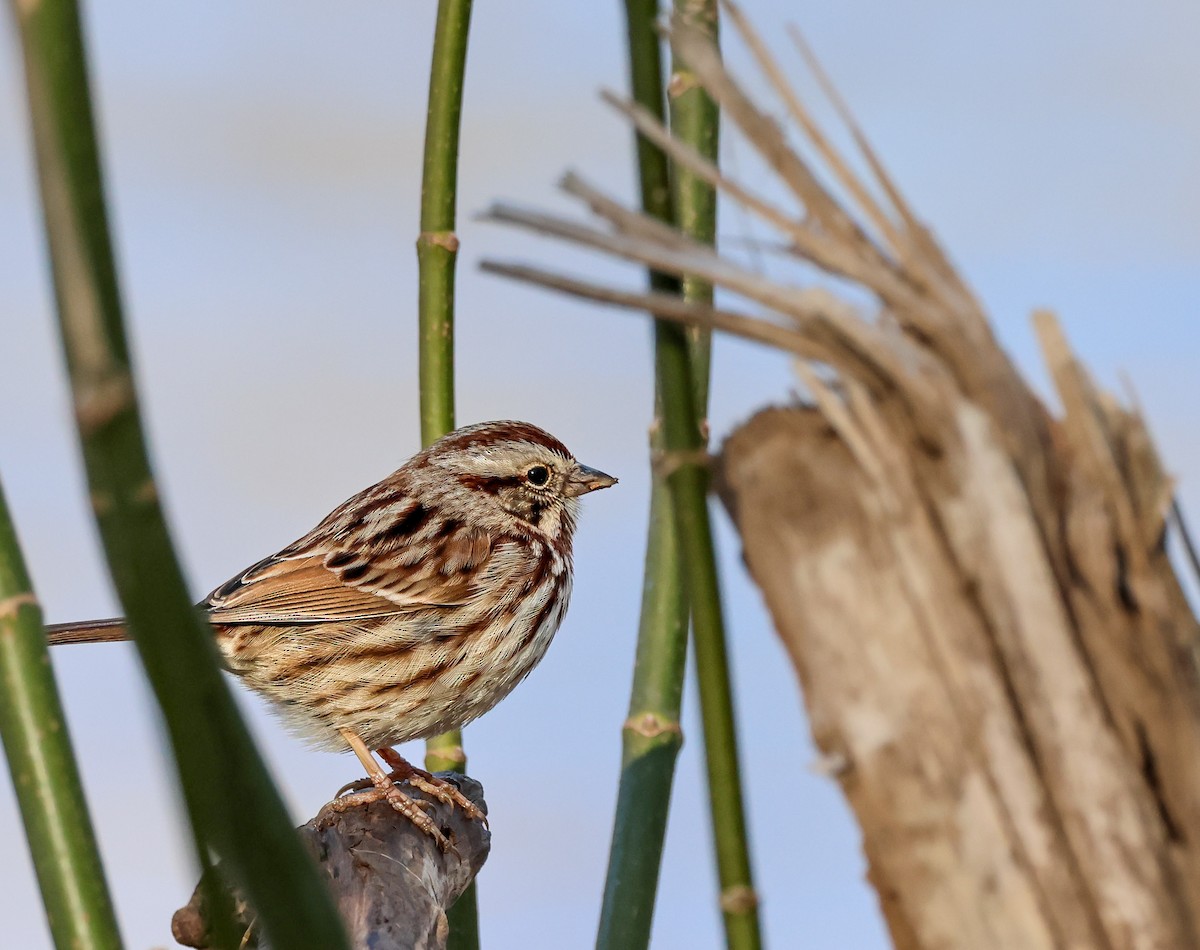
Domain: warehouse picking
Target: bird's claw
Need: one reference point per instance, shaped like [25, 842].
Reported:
[445, 791]
[414, 809]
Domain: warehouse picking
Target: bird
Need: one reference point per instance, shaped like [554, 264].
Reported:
[412, 608]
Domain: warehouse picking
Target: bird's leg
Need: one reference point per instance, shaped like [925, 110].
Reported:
[439, 788]
[386, 788]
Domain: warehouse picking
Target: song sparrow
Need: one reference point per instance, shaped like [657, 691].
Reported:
[415, 606]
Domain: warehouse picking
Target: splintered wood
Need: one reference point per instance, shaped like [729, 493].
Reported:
[997, 658]
[1004, 734]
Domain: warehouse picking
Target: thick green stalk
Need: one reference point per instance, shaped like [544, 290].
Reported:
[437, 252]
[651, 736]
[44, 775]
[234, 808]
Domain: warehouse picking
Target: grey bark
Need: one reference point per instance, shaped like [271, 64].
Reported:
[391, 883]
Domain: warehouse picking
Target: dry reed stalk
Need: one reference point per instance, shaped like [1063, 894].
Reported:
[997, 657]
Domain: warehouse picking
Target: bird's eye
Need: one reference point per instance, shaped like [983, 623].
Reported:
[538, 475]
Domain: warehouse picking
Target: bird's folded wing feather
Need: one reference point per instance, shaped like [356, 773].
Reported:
[316, 583]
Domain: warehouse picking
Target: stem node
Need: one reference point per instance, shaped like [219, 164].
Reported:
[10, 606]
[651, 726]
[739, 899]
[447, 240]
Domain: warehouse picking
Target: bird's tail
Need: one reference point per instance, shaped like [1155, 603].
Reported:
[87, 631]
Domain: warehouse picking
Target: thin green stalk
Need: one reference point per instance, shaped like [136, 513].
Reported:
[437, 253]
[650, 740]
[682, 389]
[651, 736]
[437, 244]
[685, 390]
[44, 775]
[695, 119]
[234, 808]
[739, 903]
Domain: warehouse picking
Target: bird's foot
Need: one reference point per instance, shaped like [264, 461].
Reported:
[444, 791]
[385, 787]
[411, 808]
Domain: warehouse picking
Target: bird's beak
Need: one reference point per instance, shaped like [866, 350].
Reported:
[583, 480]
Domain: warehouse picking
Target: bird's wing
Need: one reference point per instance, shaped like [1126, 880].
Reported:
[322, 578]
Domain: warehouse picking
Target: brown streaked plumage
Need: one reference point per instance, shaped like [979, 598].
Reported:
[415, 606]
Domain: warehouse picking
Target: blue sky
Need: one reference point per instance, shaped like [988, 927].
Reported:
[264, 165]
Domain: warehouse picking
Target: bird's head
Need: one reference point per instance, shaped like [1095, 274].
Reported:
[520, 470]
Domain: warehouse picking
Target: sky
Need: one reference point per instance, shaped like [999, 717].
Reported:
[263, 166]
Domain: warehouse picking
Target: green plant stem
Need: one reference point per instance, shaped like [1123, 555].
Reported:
[45, 778]
[234, 808]
[650, 740]
[437, 244]
[739, 903]
[437, 253]
[694, 119]
[681, 363]
[651, 737]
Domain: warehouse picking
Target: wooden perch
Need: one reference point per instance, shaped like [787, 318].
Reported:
[391, 883]
[998, 660]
